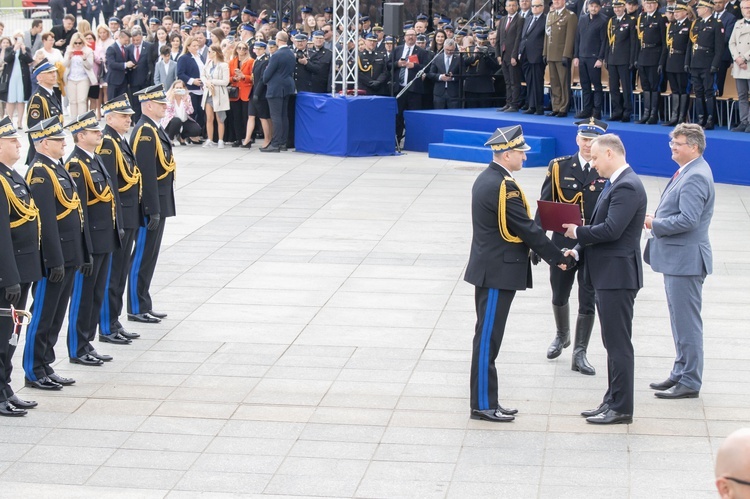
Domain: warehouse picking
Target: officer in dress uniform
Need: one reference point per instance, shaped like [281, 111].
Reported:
[572, 180]
[43, 104]
[320, 63]
[503, 232]
[20, 258]
[119, 160]
[652, 36]
[153, 155]
[703, 60]
[620, 56]
[678, 46]
[64, 249]
[591, 42]
[373, 77]
[98, 194]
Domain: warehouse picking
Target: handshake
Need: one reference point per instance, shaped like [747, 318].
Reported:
[568, 261]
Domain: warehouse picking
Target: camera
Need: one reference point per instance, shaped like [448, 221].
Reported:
[300, 54]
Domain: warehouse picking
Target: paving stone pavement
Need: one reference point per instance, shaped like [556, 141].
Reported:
[318, 344]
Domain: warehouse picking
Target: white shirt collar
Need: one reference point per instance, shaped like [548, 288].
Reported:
[583, 162]
[617, 173]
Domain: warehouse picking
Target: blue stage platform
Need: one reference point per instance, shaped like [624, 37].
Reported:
[647, 145]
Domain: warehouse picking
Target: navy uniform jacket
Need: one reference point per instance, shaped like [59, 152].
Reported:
[63, 241]
[479, 70]
[495, 262]
[373, 68]
[96, 191]
[259, 86]
[566, 182]
[708, 46]
[303, 73]
[423, 57]
[591, 37]
[651, 46]
[678, 45]
[622, 41]
[119, 160]
[612, 243]
[319, 64]
[157, 175]
[20, 257]
[43, 104]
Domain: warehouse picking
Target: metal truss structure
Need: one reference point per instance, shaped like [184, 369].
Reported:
[344, 68]
[286, 7]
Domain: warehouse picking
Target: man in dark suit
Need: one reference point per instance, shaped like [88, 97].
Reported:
[139, 76]
[588, 56]
[506, 49]
[503, 233]
[118, 65]
[279, 80]
[530, 49]
[612, 250]
[407, 60]
[444, 72]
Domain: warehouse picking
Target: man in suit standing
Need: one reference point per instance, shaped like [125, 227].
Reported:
[279, 80]
[680, 249]
[444, 73]
[503, 233]
[591, 41]
[139, 76]
[405, 71]
[118, 65]
[612, 250]
[530, 50]
[559, 43]
[506, 48]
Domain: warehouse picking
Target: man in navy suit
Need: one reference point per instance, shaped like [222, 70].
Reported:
[506, 48]
[613, 266]
[279, 79]
[443, 72]
[118, 65]
[530, 49]
[139, 77]
[405, 72]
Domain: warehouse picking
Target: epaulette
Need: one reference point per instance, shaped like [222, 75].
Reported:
[561, 158]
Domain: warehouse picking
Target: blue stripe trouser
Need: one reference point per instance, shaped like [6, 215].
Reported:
[117, 276]
[6, 349]
[492, 306]
[48, 313]
[85, 303]
[142, 266]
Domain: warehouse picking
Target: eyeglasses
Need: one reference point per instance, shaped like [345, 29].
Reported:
[737, 480]
[672, 143]
[212, 21]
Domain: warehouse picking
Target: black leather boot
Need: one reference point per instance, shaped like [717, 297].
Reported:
[674, 116]
[646, 97]
[684, 108]
[654, 117]
[584, 326]
[711, 111]
[562, 340]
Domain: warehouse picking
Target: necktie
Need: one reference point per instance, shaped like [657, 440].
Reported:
[402, 75]
[137, 53]
[586, 168]
[607, 185]
[507, 23]
[122, 49]
[533, 20]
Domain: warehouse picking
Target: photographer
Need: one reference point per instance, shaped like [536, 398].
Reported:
[18, 77]
[479, 66]
[79, 74]
[177, 121]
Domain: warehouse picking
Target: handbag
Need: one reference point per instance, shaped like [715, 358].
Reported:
[4, 81]
[233, 92]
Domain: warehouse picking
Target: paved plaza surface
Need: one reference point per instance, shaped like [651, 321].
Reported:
[318, 344]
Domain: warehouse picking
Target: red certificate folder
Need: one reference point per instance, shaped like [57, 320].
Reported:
[554, 215]
[414, 58]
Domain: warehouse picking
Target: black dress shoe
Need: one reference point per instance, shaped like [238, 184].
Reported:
[664, 385]
[145, 318]
[508, 412]
[158, 315]
[23, 404]
[678, 391]
[283, 148]
[270, 149]
[8, 409]
[593, 412]
[491, 415]
[583, 115]
[530, 111]
[249, 145]
[562, 114]
[236, 143]
[116, 338]
[512, 109]
[615, 117]
[43, 384]
[60, 380]
[127, 334]
[102, 357]
[86, 360]
[552, 113]
[625, 119]
[610, 417]
[539, 112]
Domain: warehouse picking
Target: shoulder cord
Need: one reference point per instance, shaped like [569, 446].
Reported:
[122, 167]
[168, 167]
[69, 203]
[105, 197]
[504, 232]
[25, 212]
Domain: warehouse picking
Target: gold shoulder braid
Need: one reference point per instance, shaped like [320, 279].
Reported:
[105, 197]
[364, 69]
[693, 35]
[557, 193]
[611, 29]
[69, 203]
[122, 166]
[504, 232]
[25, 212]
[168, 167]
[639, 30]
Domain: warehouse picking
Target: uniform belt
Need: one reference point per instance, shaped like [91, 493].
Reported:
[678, 51]
[699, 47]
[650, 45]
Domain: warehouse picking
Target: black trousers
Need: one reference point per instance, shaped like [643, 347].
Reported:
[85, 305]
[615, 307]
[48, 312]
[407, 102]
[703, 87]
[492, 306]
[199, 114]
[592, 101]
[290, 109]
[142, 266]
[445, 102]
[622, 102]
[477, 99]
[279, 108]
[184, 129]
[678, 82]
[116, 90]
[650, 78]
[114, 286]
[6, 349]
[512, 77]
[134, 102]
[562, 284]
[239, 118]
[534, 75]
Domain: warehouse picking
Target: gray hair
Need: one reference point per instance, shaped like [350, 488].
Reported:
[693, 134]
[450, 42]
[610, 141]
[136, 31]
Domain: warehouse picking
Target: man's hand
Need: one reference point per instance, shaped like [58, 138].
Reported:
[513, 61]
[568, 262]
[13, 294]
[87, 269]
[534, 257]
[566, 62]
[570, 230]
[659, 69]
[598, 64]
[686, 68]
[714, 70]
[648, 223]
[56, 274]
[303, 61]
[153, 222]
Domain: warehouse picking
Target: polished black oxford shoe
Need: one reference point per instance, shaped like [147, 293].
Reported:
[593, 412]
[126, 334]
[158, 315]
[116, 338]
[43, 384]
[8, 409]
[678, 391]
[491, 415]
[610, 417]
[23, 404]
[60, 380]
[144, 317]
[86, 360]
[507, 411]
[102, 357]
[664, 385]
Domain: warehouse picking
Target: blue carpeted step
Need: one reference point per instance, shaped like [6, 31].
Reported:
[468, 145]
